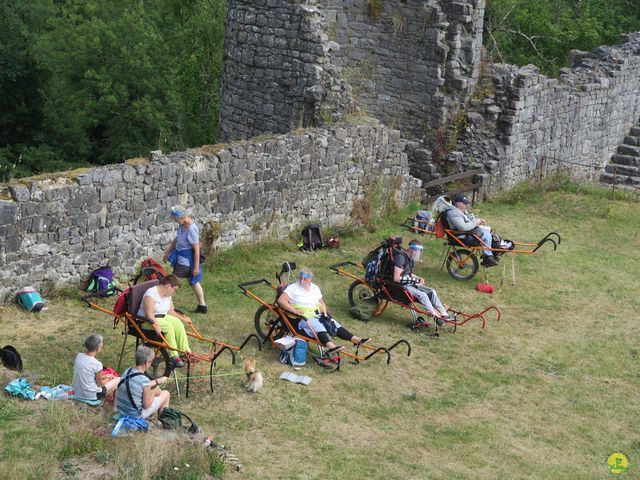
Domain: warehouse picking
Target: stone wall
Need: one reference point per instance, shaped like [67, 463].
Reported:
[58, 228]
[522, 123]
[277, 71]
[411, 65]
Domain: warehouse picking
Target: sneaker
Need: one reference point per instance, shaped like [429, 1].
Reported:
[364, 340]
[201, 309]
[334, 350]
[176, 362]
[489, 261]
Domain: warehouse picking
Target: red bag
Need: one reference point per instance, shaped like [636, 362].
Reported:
[152, 270]
[121, 303]
[440, 228]
[484, 287]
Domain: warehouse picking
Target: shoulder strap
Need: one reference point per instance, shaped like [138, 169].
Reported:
[125, 380]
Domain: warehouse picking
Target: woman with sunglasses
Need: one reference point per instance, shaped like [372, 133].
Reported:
[304, 299]
[157, 308]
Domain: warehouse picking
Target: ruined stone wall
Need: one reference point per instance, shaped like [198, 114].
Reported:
[59, 228]
[277, 72]
[522, 123]
[411, 65]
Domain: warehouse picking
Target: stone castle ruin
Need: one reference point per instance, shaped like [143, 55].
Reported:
[380, 95]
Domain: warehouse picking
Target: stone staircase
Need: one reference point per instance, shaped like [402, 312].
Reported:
[624, 168]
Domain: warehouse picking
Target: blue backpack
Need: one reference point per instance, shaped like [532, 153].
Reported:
[296, 355]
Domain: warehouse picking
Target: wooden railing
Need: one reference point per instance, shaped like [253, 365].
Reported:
[472, 183]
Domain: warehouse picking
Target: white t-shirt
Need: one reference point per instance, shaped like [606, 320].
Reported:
[307, 301]
[85, 369]
[161, 304]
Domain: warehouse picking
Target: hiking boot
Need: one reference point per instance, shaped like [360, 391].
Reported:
[201, 309]
[489, 261]
[176, 362]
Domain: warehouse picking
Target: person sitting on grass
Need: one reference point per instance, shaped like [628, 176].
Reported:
[157, 308]
[404, 262]
[89, 383]
[137, 396]
[305, 300]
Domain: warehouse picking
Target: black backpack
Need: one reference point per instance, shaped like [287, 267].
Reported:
[312, 238]
[11, 358]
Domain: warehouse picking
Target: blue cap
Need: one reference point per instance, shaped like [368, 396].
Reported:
[461, 197]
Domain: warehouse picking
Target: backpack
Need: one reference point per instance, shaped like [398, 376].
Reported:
[101, 282]
[10, 358]
[122, 302]
[151, 270]
[171, 419]
[422, 221]
[365, 309]
[312, 238]
[30, 300]
[295, 355]
[375, 260]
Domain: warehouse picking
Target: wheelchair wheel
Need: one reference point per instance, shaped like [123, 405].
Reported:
[462, 264]
[264, 319]
[359, 292]
[160, 365]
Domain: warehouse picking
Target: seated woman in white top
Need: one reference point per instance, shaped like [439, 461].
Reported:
[88, 381]
[157, 308]
[304, 299]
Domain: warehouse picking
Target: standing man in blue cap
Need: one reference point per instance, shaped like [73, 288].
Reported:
[460, 219]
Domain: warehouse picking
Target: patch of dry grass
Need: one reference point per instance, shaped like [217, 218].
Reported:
[548, 392]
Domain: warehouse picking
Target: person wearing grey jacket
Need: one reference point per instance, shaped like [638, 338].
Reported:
[460, 219]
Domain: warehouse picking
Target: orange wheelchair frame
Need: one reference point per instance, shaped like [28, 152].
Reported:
[132, 325]
[278, 323]
[386, 292]
[461, 259]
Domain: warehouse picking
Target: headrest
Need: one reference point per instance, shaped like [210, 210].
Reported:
[137, 292]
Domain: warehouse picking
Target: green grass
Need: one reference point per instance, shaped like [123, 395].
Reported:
[550, 391]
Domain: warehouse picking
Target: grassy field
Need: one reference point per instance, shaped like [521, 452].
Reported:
[549, 392]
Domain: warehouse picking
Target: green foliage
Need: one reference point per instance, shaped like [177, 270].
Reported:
[545, 31]
[95, 82]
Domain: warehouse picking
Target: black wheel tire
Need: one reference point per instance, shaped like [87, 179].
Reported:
[358, 292]
[160, 365]
[264, 319]
[462, 264]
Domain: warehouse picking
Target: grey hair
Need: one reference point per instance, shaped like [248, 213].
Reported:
[93, 342]
[143, 355]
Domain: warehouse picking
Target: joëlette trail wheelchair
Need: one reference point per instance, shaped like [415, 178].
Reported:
[378, 289]
[463, 248]
[272, 322]
[134, 325]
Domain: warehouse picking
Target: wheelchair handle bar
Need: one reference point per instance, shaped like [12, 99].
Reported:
[343, 264]
[548, 238]
[243, 286]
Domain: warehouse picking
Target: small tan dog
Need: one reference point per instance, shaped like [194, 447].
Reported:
[254, 378]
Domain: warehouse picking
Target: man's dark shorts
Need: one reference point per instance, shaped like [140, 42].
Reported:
[181, 271]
